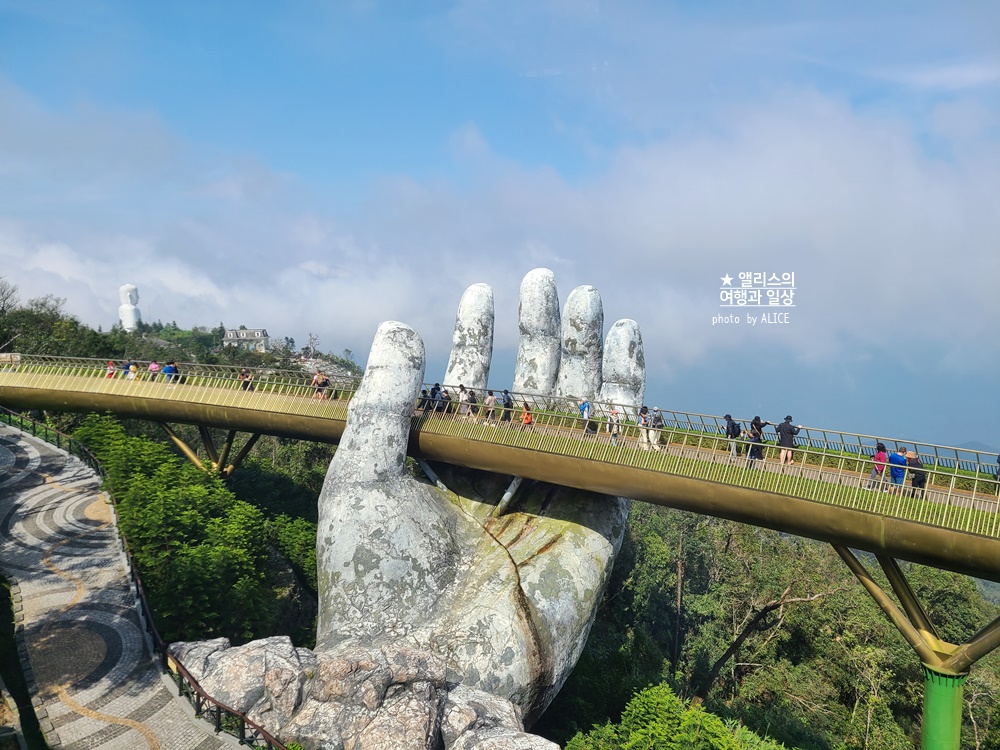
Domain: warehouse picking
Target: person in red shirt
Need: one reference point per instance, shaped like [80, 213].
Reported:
[878, 470]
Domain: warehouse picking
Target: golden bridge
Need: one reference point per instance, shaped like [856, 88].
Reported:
[826, 494]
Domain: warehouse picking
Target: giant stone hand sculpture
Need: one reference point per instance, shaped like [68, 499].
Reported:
[443, 623]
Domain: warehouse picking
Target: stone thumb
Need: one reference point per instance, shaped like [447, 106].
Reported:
[373, 447]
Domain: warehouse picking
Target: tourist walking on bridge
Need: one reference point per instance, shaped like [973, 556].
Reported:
[755, 451]
[642, 419]
[526, 420]
[655, 428]
[246, 380]
[733, 432]
[322, 383]
[614, 426]
[489, 408]
[786, 440]
[170, 372]
[878, 470]
[508, 405]
[897, 469]
[918, 477]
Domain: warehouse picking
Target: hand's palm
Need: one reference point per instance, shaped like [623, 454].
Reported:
[506, 600]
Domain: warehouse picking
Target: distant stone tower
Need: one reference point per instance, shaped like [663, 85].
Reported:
[128, 313]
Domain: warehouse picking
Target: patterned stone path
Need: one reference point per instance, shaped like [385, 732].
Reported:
[90, 673]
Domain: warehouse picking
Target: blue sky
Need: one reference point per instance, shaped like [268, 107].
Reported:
[320, 167]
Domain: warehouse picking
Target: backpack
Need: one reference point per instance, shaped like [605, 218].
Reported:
[735, 430]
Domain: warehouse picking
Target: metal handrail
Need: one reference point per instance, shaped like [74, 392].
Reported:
[292, 382]
[956, 498]
[951, 499]
[249, 733]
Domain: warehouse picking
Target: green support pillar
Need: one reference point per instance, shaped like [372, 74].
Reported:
[942, 710]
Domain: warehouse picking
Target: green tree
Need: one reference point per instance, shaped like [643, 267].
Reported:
[656, 719]
[202, 553]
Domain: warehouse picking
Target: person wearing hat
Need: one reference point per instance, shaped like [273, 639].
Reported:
[897, 470]
[918, 477]
[786, 440]
[756, 452]
[614, 426]
[733, 431]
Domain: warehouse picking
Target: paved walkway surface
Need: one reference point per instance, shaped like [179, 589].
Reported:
[90, 673]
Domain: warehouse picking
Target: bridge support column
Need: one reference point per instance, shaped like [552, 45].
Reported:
[209, 443]
[227, 471]
[183, 447]
[942, 728]
[945, 665]
[227, 446]
[217, 460]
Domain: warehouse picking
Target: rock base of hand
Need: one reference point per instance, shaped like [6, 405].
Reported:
[391, 698]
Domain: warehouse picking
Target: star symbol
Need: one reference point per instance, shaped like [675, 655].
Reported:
[727, 280]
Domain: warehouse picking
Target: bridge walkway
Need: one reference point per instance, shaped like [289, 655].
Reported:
[954, 524]
[93, 682]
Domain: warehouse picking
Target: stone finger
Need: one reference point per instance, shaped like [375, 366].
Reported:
[373, 447]
[581, 361]
[539, 345]
[624, 367]
[472, 342]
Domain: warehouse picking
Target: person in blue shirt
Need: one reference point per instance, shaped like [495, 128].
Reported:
[897, 469]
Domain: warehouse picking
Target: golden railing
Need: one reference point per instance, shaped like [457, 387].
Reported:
[830, 467]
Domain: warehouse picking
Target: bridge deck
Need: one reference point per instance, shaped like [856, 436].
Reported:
[954, 524]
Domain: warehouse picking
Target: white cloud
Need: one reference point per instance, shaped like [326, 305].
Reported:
[885, 240]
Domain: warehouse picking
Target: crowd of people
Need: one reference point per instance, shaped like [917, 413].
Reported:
[897, 463]
[493, 409]
[130, 370]
[900, 463]
[889, 470]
